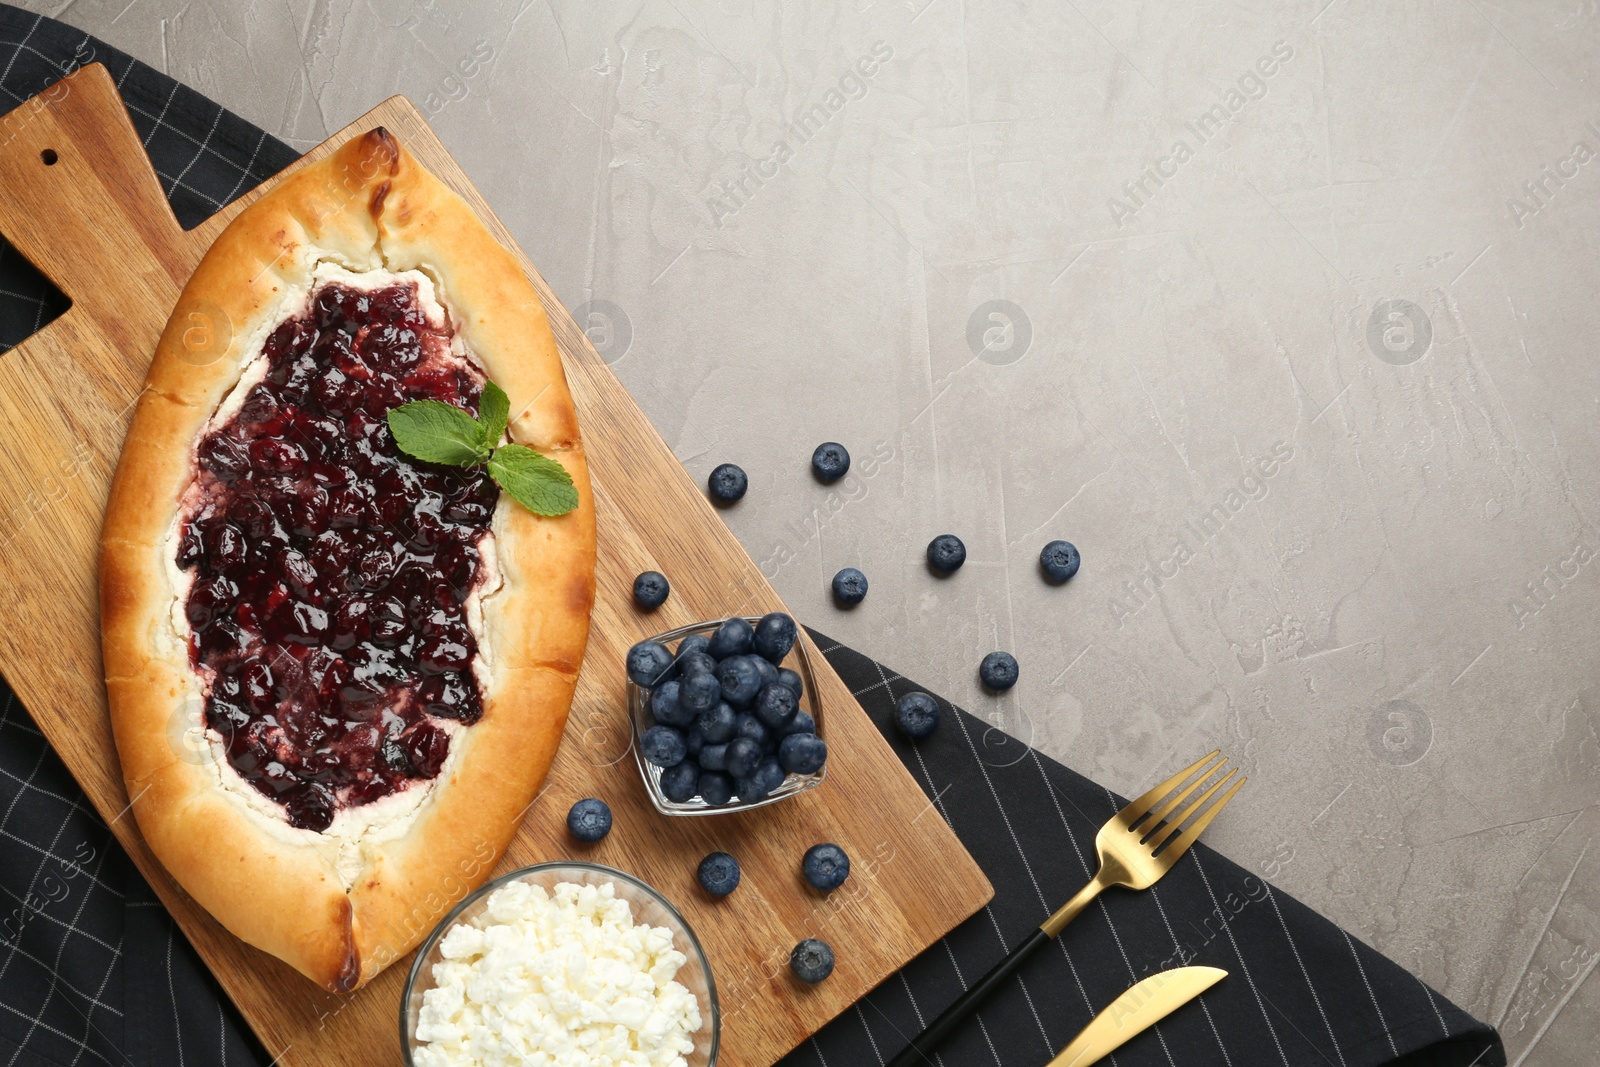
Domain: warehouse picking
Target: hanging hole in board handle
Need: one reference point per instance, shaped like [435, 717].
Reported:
[49, 156]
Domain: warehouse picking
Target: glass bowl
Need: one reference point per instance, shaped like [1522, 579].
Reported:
[648, 906]
[640, 720]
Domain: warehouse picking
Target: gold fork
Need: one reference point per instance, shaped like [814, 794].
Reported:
[1137, 846]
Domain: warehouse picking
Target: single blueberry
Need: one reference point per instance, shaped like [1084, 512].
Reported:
[759, 786]
[917, 715]
[830, 461]
[1060, 560]
[717, 724]
[793, 680]
[693, 643]
[589, 820]
[679, 782]
[715, 788]
[744, 756]
[775, 636]
[740, 679]
[727, 483]
[718, 873]
[666, 706]
[733, 638]
[849, 587]
[775, 706]
[802, 753]
[764, 667]
[714, 757]
[802, 723]
[811, 961]
[649, 663]
[663, 746]
[825, 866]
[946, 553]
[695, 662]
[753, 729]
[998, 671]
[650, 590]
[698, 692]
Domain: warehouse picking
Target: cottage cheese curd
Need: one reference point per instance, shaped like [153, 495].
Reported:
[556, 979]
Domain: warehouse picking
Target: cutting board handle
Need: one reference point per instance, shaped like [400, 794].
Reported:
[79, 198]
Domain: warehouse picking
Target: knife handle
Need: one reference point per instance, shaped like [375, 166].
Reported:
[916, 1053]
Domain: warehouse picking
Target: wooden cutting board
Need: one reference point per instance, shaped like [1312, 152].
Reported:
[79, 199]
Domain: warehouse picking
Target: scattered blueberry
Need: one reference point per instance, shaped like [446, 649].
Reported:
[589, 820]
[692, 662]
[714, 757]
[849, 587]
[693, 643]
[793, 681]
[734, 637]
[679, 782]
[830, 461]
[825, 866]
[998, 671]
[917, 715]
[946, 553]
[802, 753]
[717, 724]
[744, 756]
[775, 706]
[802, 723]
[728, 483]
[1060, 560]
[650, 590]
[715, 788]
[775, 636]
[698, 692]
[719, 874]
[663, 746]
[811, 961]
[667, 708]
[740, 680]
[753, 729]
[649, 663]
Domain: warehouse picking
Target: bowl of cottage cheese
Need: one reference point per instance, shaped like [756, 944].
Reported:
[561, 965]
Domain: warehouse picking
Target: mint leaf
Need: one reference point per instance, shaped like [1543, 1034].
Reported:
[538, 483]
[436, 432]
[494, 410]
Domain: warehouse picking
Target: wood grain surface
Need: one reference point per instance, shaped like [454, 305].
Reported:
[96, 223]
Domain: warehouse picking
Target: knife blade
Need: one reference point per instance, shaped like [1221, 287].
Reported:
[1135, 1011]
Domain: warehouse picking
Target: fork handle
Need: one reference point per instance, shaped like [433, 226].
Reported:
[966, 1005]
[916, 1054]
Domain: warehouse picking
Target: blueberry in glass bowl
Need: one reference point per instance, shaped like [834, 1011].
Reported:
[753, 677]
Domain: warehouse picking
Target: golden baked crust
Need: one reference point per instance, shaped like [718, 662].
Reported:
[285, 890]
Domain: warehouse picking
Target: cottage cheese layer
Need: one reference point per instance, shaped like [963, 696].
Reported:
[562, 979]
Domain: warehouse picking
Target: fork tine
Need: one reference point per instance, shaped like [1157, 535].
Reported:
[1141, 807]
[1178, 798]
[1155, 840]
[1181, 844]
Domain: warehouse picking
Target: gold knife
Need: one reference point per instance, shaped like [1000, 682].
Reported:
[1135, 1011]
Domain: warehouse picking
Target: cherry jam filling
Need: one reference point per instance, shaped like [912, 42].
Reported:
[330, 570]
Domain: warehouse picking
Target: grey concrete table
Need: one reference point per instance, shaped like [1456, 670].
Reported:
[1284, 313]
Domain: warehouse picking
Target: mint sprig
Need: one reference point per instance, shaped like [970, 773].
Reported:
[436, 432]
